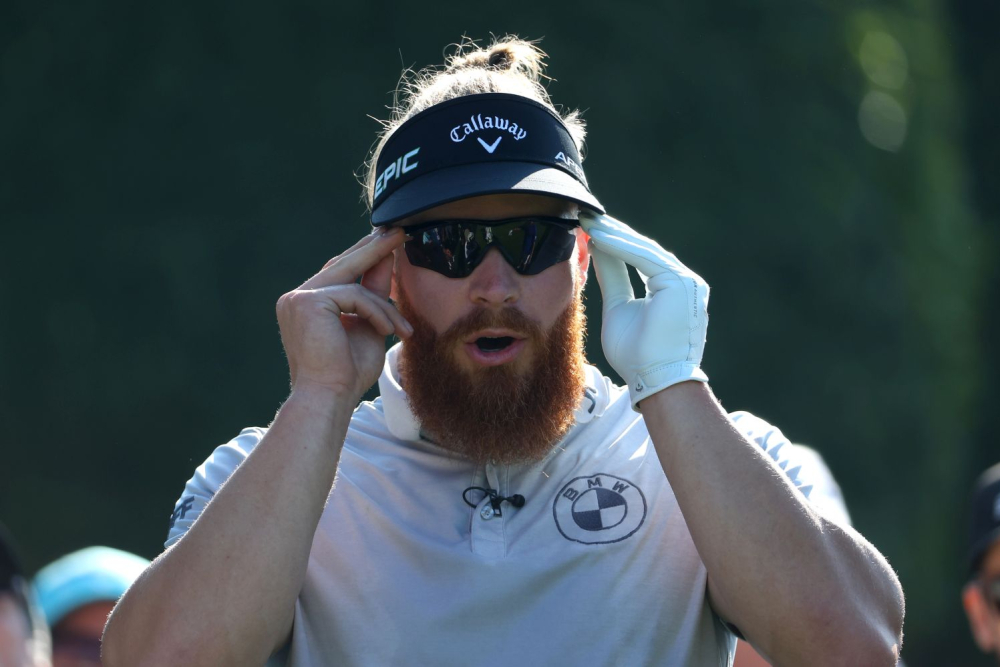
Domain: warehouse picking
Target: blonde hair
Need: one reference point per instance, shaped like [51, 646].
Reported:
[509, 65]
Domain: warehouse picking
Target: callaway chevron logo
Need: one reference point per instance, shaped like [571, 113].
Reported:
[478, 123]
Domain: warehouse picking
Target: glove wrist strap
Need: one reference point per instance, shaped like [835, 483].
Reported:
[657, 378]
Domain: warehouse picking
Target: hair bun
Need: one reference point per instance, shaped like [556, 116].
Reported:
[508, 65]
[507, 55]
[501, 57]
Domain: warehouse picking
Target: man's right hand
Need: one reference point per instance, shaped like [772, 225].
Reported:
[261, 522]
[333, 329]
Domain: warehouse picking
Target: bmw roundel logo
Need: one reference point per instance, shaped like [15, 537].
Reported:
[599, 509]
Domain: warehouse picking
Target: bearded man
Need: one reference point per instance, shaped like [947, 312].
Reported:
[501, 503]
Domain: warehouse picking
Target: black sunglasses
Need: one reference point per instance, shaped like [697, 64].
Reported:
[455, 248]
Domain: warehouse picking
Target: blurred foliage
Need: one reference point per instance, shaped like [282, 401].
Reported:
[167, 171]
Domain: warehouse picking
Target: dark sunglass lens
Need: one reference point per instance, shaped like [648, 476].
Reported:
[440, 248]
[551, 244]
[517, 242]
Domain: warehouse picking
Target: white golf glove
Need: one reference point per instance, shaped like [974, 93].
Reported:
[656, 341]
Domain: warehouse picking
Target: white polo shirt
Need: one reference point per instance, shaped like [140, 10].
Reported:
[597, 568]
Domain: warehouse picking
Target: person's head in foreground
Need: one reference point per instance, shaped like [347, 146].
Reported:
[23, 641]
[76, 593]
[981, 595]
[485, 177]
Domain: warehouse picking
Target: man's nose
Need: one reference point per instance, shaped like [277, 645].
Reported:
[494, 282]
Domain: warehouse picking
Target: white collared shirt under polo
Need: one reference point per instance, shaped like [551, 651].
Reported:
[597, 568]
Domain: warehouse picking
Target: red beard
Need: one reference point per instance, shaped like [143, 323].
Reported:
[499, 413]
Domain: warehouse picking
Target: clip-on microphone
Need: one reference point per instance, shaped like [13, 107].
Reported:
[517, 500]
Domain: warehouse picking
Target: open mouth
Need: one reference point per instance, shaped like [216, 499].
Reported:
[496, 349]
[488, 344]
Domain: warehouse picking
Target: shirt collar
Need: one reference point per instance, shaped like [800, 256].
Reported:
[403, 424]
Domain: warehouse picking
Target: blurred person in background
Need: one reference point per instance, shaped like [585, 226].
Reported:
[502, 502]
[24, 640]
[76, 594]
[981, 595]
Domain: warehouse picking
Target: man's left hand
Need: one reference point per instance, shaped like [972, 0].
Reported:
[658, 340]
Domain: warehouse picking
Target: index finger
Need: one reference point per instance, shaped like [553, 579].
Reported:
[612, 276]
[363, 255]
[591, 220]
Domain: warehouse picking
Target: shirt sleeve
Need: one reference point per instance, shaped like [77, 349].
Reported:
[207, 479]
[778, 447]
[826, 495]
[803, 466]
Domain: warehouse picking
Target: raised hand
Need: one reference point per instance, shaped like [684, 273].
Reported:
[333, 329]
[655, 341]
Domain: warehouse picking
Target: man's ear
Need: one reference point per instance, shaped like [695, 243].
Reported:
[582, 256]
[393, 278]
[980, 619]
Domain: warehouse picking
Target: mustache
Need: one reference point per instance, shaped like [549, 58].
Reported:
[508, 318]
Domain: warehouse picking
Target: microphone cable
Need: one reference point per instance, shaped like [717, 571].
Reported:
[517, 500]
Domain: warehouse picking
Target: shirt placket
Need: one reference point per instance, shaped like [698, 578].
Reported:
[487, 532]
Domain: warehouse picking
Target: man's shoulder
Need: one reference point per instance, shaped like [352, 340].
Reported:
[800, 464]
[368, 419]
[602, 397]
[767, 436]
[208, 478]
[367, 425]
[611, 401]
[607, 429]
[368, 416]
[226, 457]
[749, 423]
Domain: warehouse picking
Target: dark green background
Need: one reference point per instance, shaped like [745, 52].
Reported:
[166, 172]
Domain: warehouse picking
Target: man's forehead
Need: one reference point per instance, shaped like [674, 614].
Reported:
[496, 207]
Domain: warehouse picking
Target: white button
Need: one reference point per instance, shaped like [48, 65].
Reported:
[486, 513]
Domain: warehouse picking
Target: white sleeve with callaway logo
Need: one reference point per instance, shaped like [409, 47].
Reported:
[803, 466]
[775, 445]
[207, 479]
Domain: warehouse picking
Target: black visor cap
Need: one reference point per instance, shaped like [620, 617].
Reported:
[474, 145]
